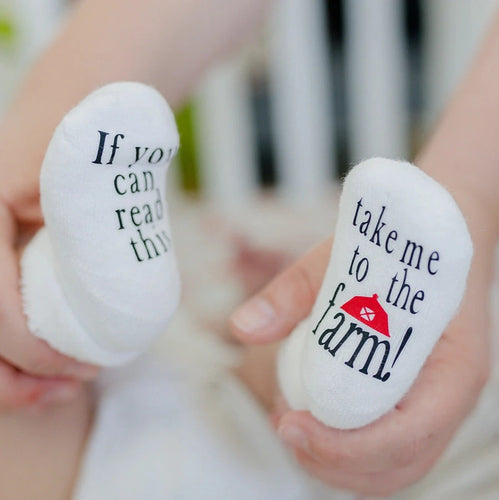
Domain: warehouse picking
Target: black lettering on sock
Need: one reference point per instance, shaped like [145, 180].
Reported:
[394, 280]
[404, 287]
[328, 335]
[134, 186]
[118, 213]
[158, 156]
[359, 204]
[114, 147]
[158, 236]
[342, 341]
[365, 225]
[393, 235]
[117, 186]
[148, 180]
[147, 214]
[148, 243]
[100, 150]
[135, 212]
[434, 257]
[407, 336]
[414, 247]
[134, 244]
[341, 286]
[375, 344]
[166, 237]
[138, 156]
[159, 206]
[379, 226]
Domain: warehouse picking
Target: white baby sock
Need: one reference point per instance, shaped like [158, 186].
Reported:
[100, 281]
[396, 276]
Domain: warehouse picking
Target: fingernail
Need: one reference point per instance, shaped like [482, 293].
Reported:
[82, 372]
[58, 395]
[293, 436]
[254, 315]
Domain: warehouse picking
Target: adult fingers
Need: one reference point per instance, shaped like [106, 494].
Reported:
[422, 423]
[443, 394]
[18, 390]
[17, 345]
[273, 312]
[379, 484]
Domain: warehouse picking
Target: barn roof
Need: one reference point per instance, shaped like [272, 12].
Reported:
[369, 311]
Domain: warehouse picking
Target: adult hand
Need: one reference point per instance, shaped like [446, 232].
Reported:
[29, 370]
[403, 445]
[31, 373]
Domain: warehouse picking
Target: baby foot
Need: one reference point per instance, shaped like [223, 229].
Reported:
[396, 276]
[100, 281]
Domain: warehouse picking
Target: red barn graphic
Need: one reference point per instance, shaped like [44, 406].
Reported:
[368, 310]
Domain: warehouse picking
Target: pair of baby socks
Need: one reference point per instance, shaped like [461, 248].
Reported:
[396, 276]
[100, 280]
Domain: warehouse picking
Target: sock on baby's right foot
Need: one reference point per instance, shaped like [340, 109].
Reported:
[396, 276]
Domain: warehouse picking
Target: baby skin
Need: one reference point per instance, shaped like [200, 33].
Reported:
[42, 448]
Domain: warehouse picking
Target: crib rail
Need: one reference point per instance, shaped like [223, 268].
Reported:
[329, 98]
[394, 76]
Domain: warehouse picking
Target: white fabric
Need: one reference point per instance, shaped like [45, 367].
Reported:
[396, 276]
[186, 428]
[100, 281]
[468, 470]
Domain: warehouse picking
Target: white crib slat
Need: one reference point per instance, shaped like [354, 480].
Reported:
[225, 135]
[453, 31]
[301, 90]
[376, 79]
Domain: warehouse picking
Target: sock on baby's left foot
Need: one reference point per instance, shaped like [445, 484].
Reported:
[100, 281]
[396, 276]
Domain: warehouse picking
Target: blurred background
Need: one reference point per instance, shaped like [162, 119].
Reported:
[325, 84]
